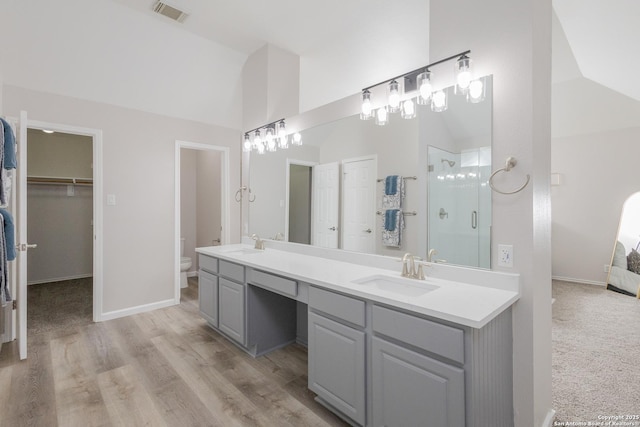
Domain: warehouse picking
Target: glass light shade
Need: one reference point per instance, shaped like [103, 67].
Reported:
[382, 117]
[259, 146]
[394, 97]
[366, 112]
[424, 87]
[246, 145]
[282, 129]
[408, 109]
[257, 140]
[463, 73]
[476, 91]
[297, 139]
[283, 142]
[439, 101]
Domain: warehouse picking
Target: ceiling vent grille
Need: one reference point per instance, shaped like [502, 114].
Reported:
[169, 11]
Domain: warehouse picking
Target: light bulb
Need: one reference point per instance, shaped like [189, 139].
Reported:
[297, 139]
[424, 87]
[408, 109]
[260, 147]
[366, 109]
[246, 146]
[271, 144]
[439, 101]
[282, 129]
[382, 118]
[268, 137]
[257, 139]
[284, 142]
[463, 72]
[394, 97]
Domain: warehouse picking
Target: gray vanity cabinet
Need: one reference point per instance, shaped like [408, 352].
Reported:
[208, 297]
[411, 389]
[337, 352]
[231, 313]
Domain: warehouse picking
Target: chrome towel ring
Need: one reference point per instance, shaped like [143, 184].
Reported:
[239, 194]
[509, 164]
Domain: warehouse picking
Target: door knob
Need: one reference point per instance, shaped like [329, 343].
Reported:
[22, 247]
[368, 230]
[332, 228]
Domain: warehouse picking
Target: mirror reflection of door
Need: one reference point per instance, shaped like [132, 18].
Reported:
[358, 205]
[624, 269]
[326, 190]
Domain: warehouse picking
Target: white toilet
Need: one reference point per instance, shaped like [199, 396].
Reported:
[185, 265]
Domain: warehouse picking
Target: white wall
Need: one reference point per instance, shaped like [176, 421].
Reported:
[138, 156]
[512, 41]
[597, 174]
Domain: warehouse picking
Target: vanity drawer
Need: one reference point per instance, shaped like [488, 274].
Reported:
[286, 287]
[208, 263]
[422, 333]
[341, 306]
[232, 271]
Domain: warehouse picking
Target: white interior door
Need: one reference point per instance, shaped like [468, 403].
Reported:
[21, 236]
[326, 190]
[358, 204]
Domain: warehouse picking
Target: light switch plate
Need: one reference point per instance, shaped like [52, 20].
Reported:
[505, 255]
[111, 199]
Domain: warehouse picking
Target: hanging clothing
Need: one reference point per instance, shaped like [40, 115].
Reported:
[5, 292]
[9, 146]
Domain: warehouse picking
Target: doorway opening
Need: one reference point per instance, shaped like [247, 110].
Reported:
[201, 205]
[60, 221]
[299, 195]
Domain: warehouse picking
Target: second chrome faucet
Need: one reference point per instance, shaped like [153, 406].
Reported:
[409, 267]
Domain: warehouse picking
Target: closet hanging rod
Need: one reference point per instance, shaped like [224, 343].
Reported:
[55, 180]
[404, 177]
[405, 213]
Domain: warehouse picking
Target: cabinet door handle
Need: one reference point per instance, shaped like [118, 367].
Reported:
[474, 219]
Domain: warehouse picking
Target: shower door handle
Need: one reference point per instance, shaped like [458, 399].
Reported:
[474, 219]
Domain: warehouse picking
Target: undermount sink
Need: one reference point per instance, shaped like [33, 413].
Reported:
[397, 285]
[243, 251]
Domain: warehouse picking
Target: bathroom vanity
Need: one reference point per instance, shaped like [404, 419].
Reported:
[382, 349]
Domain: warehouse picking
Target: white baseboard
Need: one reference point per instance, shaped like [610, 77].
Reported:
[59, 279]
[135, 310]
[551, 416]
[574, 280]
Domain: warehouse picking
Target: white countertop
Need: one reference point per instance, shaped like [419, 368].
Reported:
[466, 304]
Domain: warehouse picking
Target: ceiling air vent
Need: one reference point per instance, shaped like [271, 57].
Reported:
[169, 11]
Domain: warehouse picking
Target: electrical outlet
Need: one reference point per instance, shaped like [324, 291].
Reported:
[505, 255]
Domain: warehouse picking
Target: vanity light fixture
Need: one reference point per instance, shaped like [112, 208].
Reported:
[463, 73]
[394, 97]
[270, 137]
[420, 81]
[366, 111]
[424, 87]
[408, 109]
[439, 101]
[382, 117]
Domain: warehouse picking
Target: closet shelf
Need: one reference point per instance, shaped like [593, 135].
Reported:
[51, 180]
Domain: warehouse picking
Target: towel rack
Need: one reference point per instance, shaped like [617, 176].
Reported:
[239, 194]
[510, 163]
[404, 177]
[412, 213]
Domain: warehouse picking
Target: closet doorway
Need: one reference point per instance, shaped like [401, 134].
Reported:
[201, 203]
[60, 212]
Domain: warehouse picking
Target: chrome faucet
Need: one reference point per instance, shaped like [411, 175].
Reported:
[432, 252]
[259, 242]
[279, 236]
[409, 267]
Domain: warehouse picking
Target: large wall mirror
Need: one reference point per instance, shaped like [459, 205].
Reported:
[624, 270]
[330, 191]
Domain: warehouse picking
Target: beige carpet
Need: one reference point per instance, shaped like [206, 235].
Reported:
[596, 354]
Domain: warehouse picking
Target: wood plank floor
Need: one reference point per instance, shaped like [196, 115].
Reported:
[163, 368]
